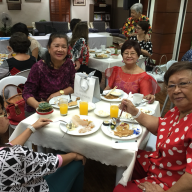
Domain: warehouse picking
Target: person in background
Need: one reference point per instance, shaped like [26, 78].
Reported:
[21, 169]
[169, 168]
[21, 61]
[35, 48]
[130, 77]
[51, 77]
[73, 23]
[78, 50]
[136, 15]
[187, 56]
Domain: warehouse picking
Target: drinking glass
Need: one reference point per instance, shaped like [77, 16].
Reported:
[114, 110]
[63, 105]
[83, 108]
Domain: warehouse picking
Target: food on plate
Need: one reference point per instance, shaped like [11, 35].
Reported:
[108, 52]
[123, 130]
[146, 111]
[102, 113]
[101, 56]
[126, 115]
[87, 128]
[116, 93]
[91, 51]
[78, 98]
[106, 123]
[111, 97]
[77, 121]
[72, 103]
[113, 123]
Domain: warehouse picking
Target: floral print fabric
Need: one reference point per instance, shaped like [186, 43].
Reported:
[187, 56]
[173, 155]
[43, 81]
[135, 83]
[79, 52]
[130, 24]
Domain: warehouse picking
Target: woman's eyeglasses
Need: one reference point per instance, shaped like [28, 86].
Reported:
[4, 114]
[180, 85]
[137, 28]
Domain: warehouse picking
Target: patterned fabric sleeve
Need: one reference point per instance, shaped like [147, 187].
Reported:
[187, 56]
[149, 47]
[32, 83]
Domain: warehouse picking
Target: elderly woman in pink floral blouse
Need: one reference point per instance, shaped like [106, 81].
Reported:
[52, 76]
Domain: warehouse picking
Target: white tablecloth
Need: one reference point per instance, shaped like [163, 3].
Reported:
[96, 146]
[95, 40]
[103, 64]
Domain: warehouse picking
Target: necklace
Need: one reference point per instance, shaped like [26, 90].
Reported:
[132, 72]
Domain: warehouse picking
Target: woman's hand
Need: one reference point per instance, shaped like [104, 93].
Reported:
[77, 65]
[150, 98]
[147, 38]
[149, 187]
[80, 157]
[127, 106]
[41, 122]
[54, 95]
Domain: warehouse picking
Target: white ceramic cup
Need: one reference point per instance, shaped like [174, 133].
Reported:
[103, 47]
[137, 98]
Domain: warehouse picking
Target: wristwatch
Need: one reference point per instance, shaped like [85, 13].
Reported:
[32, 128]
[62, 92]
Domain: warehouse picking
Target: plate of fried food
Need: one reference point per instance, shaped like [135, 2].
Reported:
[123, 131]
[101, 56]
[81, 125]
[55, 101]
[116, 95]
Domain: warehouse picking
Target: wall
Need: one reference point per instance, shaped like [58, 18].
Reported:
[82, 12]
[29, 12]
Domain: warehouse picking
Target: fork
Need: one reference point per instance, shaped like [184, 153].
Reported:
[70, 100]
[58, 121]
[118, 119]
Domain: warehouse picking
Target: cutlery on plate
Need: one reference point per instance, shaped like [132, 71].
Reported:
[70, 126]
[70, 100]
[58, 121]
[137, 104]
[111, 91]
[118, 119]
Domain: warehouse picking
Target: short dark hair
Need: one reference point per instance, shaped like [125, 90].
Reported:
[46, 56]
[20, 27]
[144, 25]
[73, 23]
[179, 66]
[1, 102]
[19, 42]
[129, 44]
[80, 31]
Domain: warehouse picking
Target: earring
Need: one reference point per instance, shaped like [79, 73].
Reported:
[123, 61]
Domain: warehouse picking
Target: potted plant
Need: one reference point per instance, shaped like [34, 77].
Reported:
[44, 110]
[5, 31]
[115, 55]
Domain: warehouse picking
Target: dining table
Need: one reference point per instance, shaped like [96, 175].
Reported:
[96, 146]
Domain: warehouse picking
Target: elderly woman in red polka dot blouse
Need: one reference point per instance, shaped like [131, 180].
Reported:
[169, 168]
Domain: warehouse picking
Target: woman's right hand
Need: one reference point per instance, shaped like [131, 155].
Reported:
[80, 157]
[127, 106]
[41, 122]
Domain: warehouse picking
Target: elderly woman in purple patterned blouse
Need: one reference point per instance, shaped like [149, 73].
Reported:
[52, 76]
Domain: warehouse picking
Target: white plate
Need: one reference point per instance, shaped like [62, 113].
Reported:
[126, 116]
[107, 130]
[55, 99]
[96, 111]
[96, 122]
[123, 96]
[117, 92]
[91, 105]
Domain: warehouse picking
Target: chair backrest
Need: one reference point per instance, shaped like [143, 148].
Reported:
[60, 26]
[16, 80]
[100, 25]
[40, 26]
[141, 63]
[24, 73]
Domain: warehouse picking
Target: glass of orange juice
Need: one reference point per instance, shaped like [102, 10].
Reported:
[83, 108]
[63, 105]
[114, 110]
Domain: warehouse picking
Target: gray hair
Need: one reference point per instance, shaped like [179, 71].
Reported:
[138, 7]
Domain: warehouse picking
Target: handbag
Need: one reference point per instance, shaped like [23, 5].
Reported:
[149, 63]
[15, 106]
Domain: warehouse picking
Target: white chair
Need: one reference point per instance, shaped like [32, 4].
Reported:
[16, 80]
[24, 73]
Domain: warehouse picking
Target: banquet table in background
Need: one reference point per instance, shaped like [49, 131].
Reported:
[95, 40]
[96, 146]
